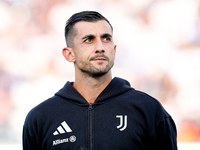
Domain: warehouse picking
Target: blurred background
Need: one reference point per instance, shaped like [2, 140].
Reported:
[158, 51]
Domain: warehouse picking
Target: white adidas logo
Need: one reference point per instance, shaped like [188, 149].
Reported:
[62, 129]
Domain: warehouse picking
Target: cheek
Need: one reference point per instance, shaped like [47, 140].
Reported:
[112, 54]
[82, 56]
[112, 50]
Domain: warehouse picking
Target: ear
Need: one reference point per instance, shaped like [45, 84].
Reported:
[68, 54]
[115, 48]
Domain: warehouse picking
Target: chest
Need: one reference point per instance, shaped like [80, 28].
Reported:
[94, 128]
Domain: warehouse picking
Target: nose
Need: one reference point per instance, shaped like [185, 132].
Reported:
[100, 47]
[100, 51]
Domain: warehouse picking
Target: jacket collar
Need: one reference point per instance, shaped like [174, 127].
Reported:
[116, 87]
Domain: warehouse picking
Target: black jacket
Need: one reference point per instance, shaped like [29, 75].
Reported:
[120, 119]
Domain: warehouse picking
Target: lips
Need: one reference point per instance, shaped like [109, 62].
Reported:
[99, 58]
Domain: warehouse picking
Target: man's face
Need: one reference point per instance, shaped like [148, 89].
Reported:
[94, 50]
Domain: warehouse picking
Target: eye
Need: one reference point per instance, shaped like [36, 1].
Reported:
[88, 40]
[107, 39]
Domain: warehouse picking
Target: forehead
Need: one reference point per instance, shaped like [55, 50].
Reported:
[99, 27]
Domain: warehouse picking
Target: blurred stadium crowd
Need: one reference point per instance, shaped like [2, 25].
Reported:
[158, 51]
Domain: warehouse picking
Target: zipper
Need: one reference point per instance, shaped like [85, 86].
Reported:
[90, 126]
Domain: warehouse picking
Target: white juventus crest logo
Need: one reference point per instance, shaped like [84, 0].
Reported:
[123, 122]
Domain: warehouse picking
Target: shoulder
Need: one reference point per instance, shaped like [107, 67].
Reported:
[147, 103]
[42, 110]
[142, 97]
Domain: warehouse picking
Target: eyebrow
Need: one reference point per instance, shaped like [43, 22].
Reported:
[87, 36]
[92, 36]
[107, 35]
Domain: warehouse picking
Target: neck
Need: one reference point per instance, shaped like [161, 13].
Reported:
[91, 87]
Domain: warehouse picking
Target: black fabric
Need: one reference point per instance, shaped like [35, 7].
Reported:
[144, 122]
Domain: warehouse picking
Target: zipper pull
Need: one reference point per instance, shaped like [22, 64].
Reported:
[90, 106]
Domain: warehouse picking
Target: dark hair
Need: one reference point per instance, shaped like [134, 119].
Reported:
[88, 16]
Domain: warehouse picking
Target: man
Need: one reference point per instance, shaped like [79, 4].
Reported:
[96, 112]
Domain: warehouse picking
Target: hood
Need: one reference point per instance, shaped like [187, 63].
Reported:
[116, 87]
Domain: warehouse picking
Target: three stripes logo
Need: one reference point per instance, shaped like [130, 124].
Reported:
[62, 129]
[123, 122]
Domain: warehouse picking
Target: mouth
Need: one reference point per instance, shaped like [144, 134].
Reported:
[99, 58]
